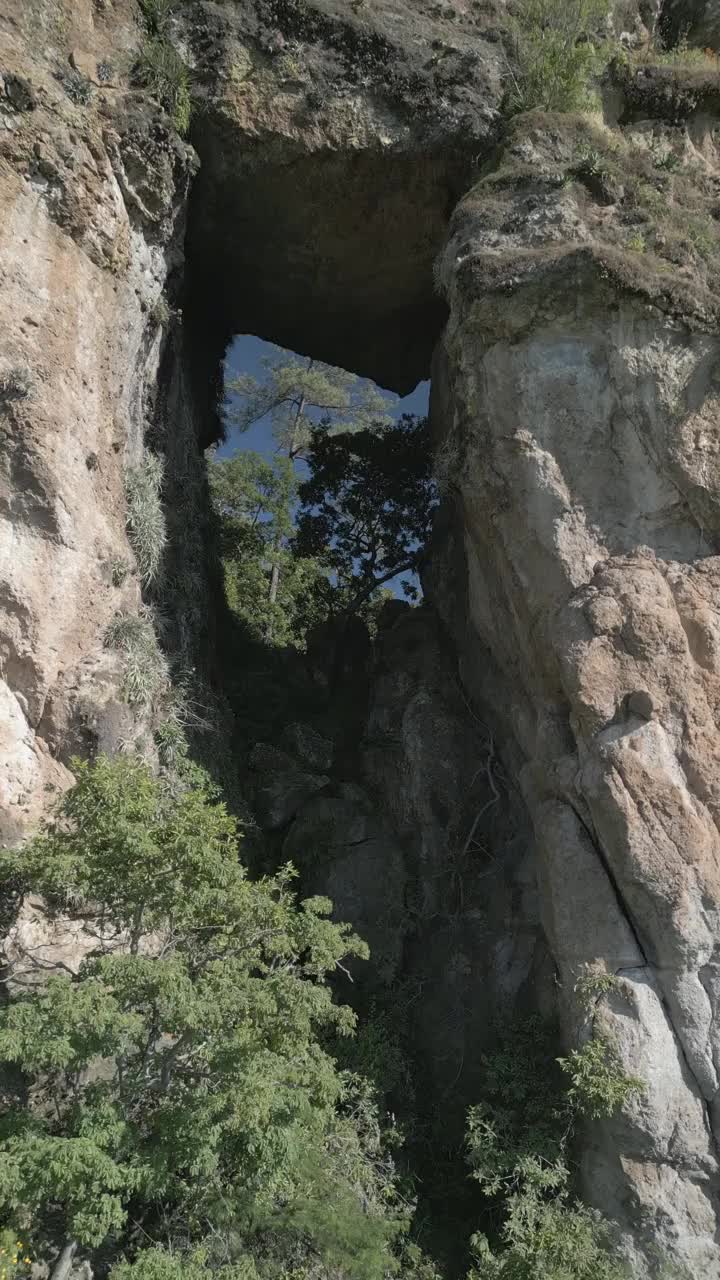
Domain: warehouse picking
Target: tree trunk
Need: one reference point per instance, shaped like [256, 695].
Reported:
[274, 580]
[63, 1266]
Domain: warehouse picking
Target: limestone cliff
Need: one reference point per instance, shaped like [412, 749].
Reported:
[578, 401]
[533, 788]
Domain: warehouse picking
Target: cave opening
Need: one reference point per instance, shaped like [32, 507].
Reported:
[327, 257]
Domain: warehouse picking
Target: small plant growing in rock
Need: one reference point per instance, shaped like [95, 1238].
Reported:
[171, 742]
[593, 984]
[558, 53]
[164, 74]
[637, 243]
[155, 15]
[76, 86]
[161, 312]
[145, 517]
[146, 679]
[598, 1084]
[16, 383]
[120, 570]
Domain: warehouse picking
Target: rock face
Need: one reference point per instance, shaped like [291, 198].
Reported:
[534, 788]
[92, 196]
[421, 840]
[336, 138]
[578, 397]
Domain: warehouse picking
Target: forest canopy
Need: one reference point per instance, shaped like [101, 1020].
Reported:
[342, 506]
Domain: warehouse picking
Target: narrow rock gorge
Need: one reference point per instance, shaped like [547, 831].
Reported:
[518, 781]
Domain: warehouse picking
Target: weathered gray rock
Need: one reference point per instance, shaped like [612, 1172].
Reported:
[91, 210]
[580, 403]
[348, 854]
[280, 785]
[309, 746]
[474, 944]
[335, 138]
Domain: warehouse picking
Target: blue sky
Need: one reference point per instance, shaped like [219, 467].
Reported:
[245, 355]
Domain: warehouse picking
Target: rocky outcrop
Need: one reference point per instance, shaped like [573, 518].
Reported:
[533, 788]
[577, 394]
[95, 359]
[92, 193]
[421, 840]
[336, 138]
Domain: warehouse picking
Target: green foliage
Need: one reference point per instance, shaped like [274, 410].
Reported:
[299, 395]
[518, 1144]
[145, 517]
[155, 15]
[376, 1052]
[179, 1088]
[368, 505]
[365, 508]
[162, 71]
[553, 1238]
[637, 243]
[164, 1264]
[593, 984]
[160, 68]
[253, 492]
[15, 1262]
[598, 1085]
[146, 679]
[254, 498]
[559, 52]
[683, 56]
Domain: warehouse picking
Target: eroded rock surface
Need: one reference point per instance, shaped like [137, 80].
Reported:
[84, 253]
[558, 765]
[579, 393]
[336, 138]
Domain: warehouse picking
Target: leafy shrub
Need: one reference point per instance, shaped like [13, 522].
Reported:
[165, 1264]
[162, 71]
[14, 1259]
[553, 1238]
[145, 517]
[598, 1085]
[558, 53]
[181, 1073]
[518, 1148]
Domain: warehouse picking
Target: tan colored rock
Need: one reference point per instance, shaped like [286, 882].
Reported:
[78, 278]
[579, 391]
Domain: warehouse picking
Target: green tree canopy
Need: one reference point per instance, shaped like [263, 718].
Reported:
[367, 506]
[277, 596]
[298, 394]
[175, 1087]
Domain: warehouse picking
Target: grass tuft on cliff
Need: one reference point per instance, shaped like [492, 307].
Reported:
[145, 517]
[162, 71]
[160, 68]
[146, 681]
[559, 52]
